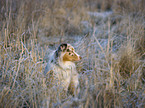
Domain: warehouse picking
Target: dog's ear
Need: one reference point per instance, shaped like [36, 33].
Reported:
[63, 47]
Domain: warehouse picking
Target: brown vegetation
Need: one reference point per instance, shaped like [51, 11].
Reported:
[112, 70]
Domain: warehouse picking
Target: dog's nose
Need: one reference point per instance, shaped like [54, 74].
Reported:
[80, 57]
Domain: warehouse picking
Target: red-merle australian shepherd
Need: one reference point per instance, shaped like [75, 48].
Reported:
[61, 69]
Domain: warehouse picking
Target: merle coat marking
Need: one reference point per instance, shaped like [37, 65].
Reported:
[61, 68]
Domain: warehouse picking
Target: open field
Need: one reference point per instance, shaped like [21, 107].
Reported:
[108, 34]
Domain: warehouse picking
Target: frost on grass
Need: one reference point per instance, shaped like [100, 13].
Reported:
[111, 44]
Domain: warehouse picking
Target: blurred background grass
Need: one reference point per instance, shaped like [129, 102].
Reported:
[108, 34]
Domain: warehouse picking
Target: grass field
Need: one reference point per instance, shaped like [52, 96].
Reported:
[108, 34]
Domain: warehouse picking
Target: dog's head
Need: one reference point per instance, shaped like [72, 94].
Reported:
[67, 52]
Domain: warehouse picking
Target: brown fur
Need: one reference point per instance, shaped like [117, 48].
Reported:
[71, 55]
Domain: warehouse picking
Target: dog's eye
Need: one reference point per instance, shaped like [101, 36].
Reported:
[69, 53]
[67, 50]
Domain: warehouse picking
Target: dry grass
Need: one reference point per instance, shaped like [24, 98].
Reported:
[112, 71]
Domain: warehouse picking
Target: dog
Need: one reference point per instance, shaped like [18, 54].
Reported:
[61, 69]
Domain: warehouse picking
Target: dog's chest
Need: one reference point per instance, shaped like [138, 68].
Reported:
[62, 73]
